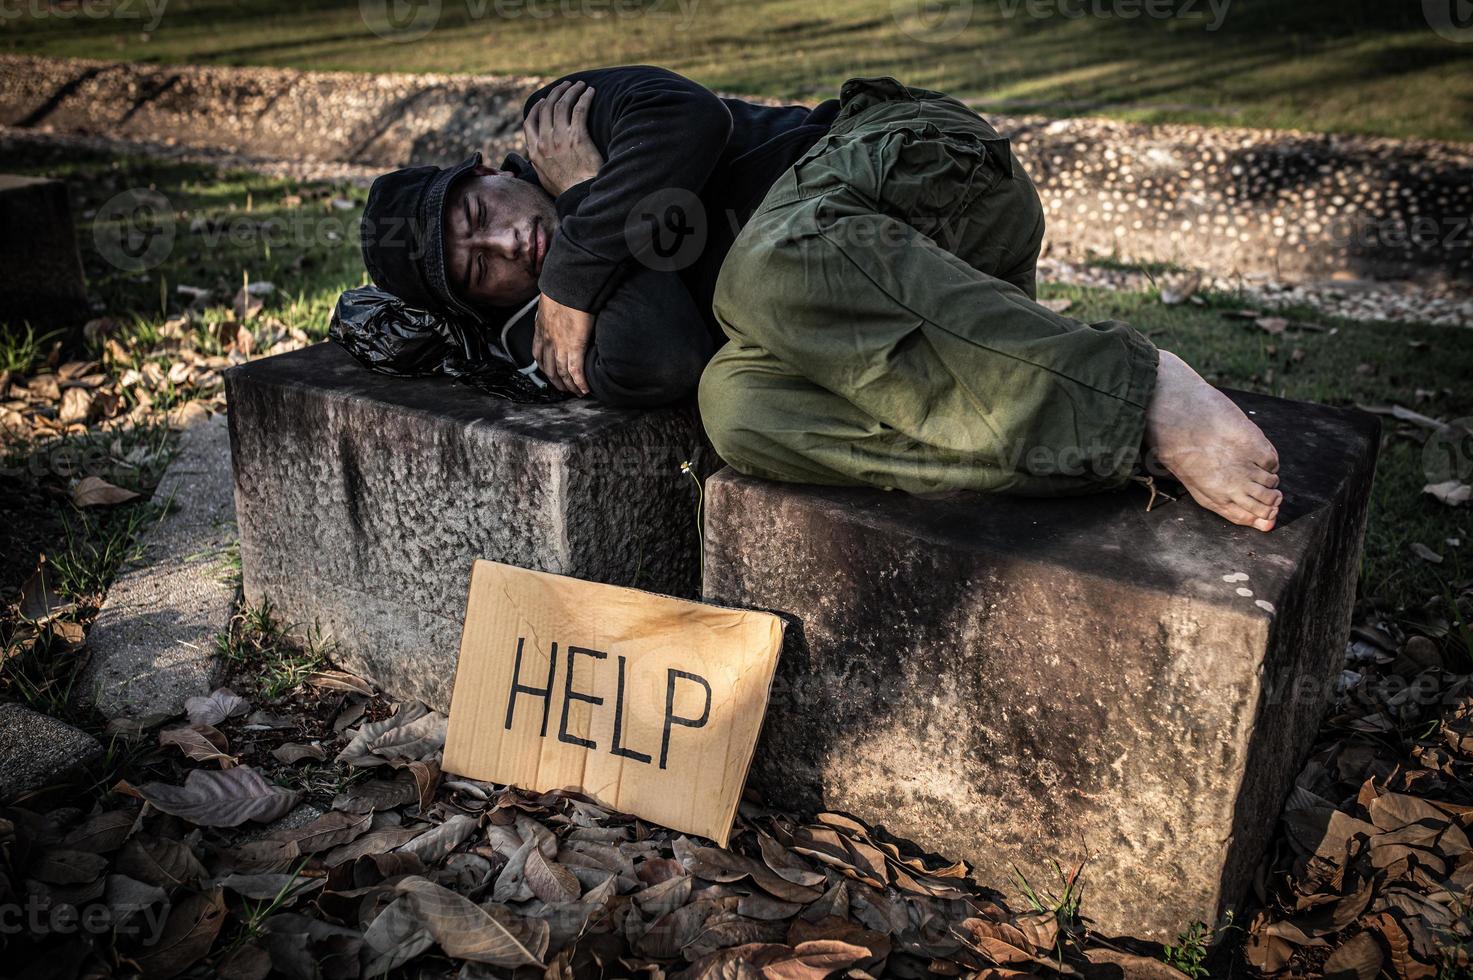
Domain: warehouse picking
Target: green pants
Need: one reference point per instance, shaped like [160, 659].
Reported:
[882, 327]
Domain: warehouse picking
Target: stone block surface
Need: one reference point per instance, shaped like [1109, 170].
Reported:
[43, 283]
[1013, 681]
[364, 498]
[153, 644]
[36, 751]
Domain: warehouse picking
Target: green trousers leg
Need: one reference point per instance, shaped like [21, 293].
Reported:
[882, 329]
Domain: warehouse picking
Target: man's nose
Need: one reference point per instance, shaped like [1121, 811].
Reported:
[498, 241]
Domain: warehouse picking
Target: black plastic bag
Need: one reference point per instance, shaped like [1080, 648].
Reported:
[388, 336]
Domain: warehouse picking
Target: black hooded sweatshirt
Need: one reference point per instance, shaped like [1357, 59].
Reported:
[662, 134]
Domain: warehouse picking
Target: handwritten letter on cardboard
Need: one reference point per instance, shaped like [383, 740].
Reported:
[649, 704]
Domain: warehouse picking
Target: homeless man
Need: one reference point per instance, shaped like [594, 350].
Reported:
[850, 288]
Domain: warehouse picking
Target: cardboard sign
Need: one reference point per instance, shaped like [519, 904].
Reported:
[648, 704]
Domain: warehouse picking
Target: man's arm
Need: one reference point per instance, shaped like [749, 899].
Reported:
[657, 131]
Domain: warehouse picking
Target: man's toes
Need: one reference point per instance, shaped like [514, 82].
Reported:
[1236, 514]
[1241, 497]
[1264, 495]
[1265, 524]
[1266, 479]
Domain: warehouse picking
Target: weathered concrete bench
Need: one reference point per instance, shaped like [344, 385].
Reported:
[362, 500]
[1014, 681]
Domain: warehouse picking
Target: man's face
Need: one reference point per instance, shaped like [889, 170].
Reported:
[497, 232]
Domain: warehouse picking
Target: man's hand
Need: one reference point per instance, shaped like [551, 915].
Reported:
[559, 342]
[556, 130]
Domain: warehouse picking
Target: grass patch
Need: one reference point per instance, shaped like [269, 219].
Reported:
[1356, 67]
[20, 347]
[276, 656]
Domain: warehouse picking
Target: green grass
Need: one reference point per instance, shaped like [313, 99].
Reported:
[1362, 66]
[277, 656]
[20, 347]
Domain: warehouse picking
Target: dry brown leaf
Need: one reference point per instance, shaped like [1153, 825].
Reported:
[94, 491]
[202, 743]
[843, 930]
[190, 931]
[814, 960]
[666, 896]
[1402, 961]
[426, 780]
[339, 680]
[486, 933]
[550, 881]
[373, 842]
[1454, 493]
[1000, 942]
[1393, 811]
[76, 406]
[262, 856]
[1267, 953]
[185, 415]
[1132, 966]
[1425, 553]
[215, 707]
[435, 843]
[714, 864]
[375, 794]
[413, 733]
[332, 829]
[786, 865]
[1359, 957]
[40, 601]
[271, 887]
[291, 753]
[59, 866]
[227, 798]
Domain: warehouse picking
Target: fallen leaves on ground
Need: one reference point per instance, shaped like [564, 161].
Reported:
[1454, 493]
[224, 798]
[399, 869]
[1373, 874]
[215, 707]
[408, 865]
[94, 491]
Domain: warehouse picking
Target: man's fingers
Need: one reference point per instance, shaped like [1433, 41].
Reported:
[575, 371]
[580, 111]
[567, 101]
[530, 126]
[539, 340]
[565, 379]
[545, 107]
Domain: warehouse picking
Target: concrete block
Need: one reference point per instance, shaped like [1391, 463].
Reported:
[153, 644]
[43, 283]
[1012, 681]
[36, 751]
[364, 498]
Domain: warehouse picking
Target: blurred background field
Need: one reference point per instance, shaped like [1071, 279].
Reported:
[1359, 66]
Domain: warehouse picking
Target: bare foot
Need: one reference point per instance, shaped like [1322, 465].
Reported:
[1207, 443]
